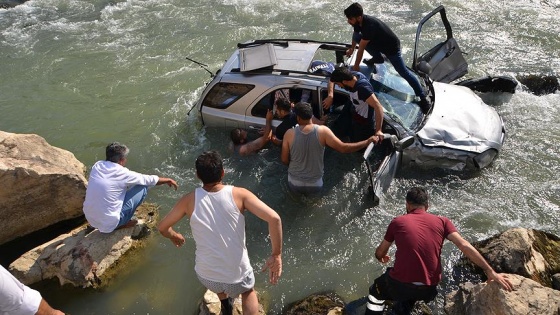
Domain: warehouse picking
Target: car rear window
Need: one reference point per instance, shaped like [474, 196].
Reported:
[223, 95]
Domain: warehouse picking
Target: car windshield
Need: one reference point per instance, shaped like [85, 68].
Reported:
[396, 96]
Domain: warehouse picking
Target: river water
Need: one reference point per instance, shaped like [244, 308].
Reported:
[82, 74]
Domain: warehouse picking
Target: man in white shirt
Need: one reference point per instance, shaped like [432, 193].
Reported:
[19, 299]
[114, 192]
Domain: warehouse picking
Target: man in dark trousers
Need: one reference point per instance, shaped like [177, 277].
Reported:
[419, 237]
[375, 37]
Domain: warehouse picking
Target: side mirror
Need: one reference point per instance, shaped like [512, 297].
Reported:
[404, 143]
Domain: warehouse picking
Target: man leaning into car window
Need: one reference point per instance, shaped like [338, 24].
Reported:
[243, 147]
[366, 113]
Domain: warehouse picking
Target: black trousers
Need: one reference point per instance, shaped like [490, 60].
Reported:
[403, 294]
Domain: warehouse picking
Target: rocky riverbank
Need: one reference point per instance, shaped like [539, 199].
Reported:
[44, 186]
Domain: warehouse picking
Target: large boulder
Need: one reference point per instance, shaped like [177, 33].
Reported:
[527, 297]
[84, 257]
[41, 185]
[530, 253]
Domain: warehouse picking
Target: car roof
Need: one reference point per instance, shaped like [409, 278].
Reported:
[278, 55]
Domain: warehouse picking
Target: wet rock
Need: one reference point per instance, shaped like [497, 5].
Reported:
[530, 253]
[540, 85]
[5, 4]
[84, 257]
[41, 185]
[527, 297]
[211, 305]
[317, 304]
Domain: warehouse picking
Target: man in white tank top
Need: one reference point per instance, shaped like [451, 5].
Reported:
[216, 214]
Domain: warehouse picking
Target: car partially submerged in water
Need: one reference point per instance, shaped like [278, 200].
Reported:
[459, 131]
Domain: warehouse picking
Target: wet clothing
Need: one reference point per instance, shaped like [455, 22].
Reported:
[105, 194]
[405, 295]
[15, 297]
[306, 157]
[288, 122]
[218, 229]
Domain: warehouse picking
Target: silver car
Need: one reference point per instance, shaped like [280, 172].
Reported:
[459, 132]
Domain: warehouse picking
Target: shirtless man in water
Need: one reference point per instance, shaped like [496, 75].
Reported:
[245, 147]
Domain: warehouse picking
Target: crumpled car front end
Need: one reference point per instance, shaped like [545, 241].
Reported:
[461, 133]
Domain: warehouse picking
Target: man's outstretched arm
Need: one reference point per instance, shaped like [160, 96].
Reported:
[477, 258]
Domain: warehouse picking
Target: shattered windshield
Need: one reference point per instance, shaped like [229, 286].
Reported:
[396, 96]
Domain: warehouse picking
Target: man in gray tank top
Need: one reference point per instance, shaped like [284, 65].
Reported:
[303, 149]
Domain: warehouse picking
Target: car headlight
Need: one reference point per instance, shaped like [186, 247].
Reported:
[485, 158]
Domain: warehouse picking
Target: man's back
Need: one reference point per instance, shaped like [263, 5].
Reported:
[219, 231]
[107, 185]
[306, 155]
[419, 237]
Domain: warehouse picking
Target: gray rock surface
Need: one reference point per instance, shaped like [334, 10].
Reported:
[527, 297]
[84, 257]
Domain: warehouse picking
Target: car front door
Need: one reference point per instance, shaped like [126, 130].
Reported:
[444, 62]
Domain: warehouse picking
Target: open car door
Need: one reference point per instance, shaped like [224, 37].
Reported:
[382, 161]
[444, 62]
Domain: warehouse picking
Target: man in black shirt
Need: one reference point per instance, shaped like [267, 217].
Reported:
[374, 36]
[289, 120]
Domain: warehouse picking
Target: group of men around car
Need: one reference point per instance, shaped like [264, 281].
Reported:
[216, 210]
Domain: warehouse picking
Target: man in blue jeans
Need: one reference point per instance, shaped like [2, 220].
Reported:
[375, 37]
[114, 192]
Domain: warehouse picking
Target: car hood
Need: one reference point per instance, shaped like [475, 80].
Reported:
[461, 120]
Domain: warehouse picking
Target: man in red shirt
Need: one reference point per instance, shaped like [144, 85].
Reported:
[419, 237]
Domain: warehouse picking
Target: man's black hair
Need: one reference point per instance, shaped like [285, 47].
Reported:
[115, 152]
[417, 196]
[341, 74]
[236, 136]
[354, 10]
[283, 104]
[209, 167]
[303, 110]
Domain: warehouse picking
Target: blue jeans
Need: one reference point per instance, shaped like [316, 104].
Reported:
[133, 198]
[397, 62]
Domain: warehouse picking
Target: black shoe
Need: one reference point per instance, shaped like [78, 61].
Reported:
[369, 62]
[424, 105]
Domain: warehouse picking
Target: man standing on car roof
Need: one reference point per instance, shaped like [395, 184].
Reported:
[364, 117]
[374, 36]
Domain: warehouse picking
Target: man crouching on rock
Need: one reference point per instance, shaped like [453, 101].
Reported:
[114, 192]
[217, 218]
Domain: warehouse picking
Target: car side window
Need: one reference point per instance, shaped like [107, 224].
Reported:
[339, 98]
[264, 104]
[223, 95]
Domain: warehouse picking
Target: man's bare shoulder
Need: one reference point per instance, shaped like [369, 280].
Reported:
[240, 191]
